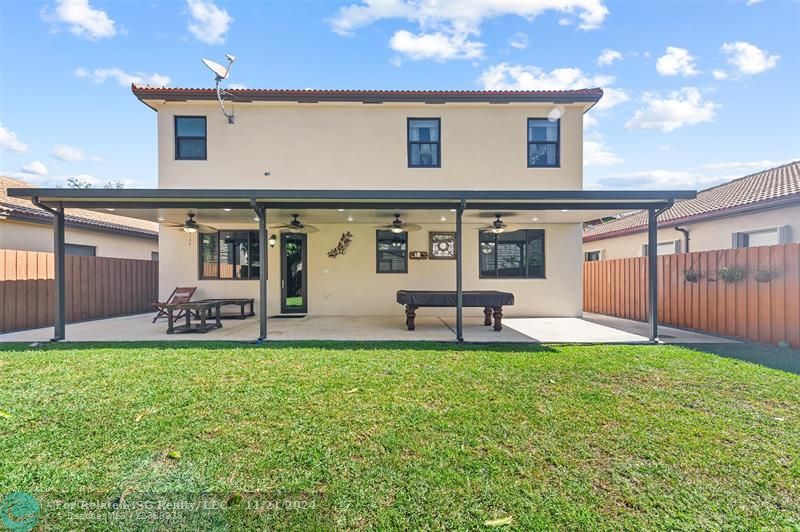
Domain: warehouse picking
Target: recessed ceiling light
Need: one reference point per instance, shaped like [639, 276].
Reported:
[349, 218]
[534, 219]
[111, 210]
[443, 218]
[226, 210]
[161, 219]
[256, 218]
[340, 210]
[564, 210]
[452, 210]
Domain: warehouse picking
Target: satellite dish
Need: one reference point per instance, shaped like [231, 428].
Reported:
[216, 68]
[555, 113]
[221, 73]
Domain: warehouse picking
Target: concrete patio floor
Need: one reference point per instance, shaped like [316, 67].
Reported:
[590, 329]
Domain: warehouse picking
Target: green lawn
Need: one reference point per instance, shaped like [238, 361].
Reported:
[336, 435]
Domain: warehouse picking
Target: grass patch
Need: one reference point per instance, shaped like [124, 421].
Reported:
[330, 435]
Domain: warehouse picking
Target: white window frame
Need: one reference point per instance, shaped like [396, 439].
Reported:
[677, 247]
[601, 254]
[740, 239]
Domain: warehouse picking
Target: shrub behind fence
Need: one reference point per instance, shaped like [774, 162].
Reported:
[749, 293]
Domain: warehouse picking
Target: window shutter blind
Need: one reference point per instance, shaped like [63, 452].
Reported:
[762, 238]
[677, 246]
[737, 240]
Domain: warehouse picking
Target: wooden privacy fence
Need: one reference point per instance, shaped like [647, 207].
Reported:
[96, 287]
[762, 306]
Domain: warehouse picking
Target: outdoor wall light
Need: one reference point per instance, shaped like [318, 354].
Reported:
[272, 241]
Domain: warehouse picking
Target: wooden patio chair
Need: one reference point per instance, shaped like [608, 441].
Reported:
[182, 294]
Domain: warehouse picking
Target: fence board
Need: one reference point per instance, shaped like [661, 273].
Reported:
[94, 287]
[766, 312]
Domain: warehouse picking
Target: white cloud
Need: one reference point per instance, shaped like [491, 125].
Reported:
[209, 23]
[82, 19]
[504, 76]
[749, 59]
[437, 46]
[699, 177]
[447, 28]
[589, 121]
[596, 153]
[237, 86]
[71, 154]
[680, 108]
[35, 167]
[608, 56]
[752, 2]
[100, 75]
[676, 61]
[719, 74]
[611, 98]
[519, 40]
[10, 142]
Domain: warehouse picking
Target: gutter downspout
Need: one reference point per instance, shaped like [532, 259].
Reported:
[60, 315]
[685, 237]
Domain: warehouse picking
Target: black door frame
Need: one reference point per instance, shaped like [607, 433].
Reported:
[304, 259]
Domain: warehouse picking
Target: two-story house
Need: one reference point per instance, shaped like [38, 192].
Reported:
[423, 190]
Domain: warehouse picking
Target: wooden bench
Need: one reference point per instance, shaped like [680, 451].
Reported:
[491, 301]
[241, 302]
[203, 310]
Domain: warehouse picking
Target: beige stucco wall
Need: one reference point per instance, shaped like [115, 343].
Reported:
[39, 237]
[349, 285]
[358, 146]
[708, 235]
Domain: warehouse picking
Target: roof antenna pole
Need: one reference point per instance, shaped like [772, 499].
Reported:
[220, 74]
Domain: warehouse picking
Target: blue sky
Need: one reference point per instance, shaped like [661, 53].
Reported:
[697, 92]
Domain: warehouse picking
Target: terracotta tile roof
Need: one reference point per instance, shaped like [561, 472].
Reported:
[765, 188]
[97, 220]
[177, 93]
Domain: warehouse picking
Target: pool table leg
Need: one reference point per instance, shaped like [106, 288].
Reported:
[487, 315]
[411, 313]
[498, 318]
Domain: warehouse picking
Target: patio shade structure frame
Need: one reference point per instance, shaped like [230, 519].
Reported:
[55, 200]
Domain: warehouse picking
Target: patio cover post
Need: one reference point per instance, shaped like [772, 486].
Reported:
[459, 272]
[59, 325]
[652, 273]
[262, 272]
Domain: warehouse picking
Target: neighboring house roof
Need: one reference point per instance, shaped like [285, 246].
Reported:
[22, 209]
[763, 190]
[369, 96]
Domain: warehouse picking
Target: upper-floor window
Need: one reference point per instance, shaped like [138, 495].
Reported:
[664, 248]
[80, 250]
[516, 254]
[391, 252]
[544, 143]
[424, 143]
[762, 237]
[190, 137]
[591, 256]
